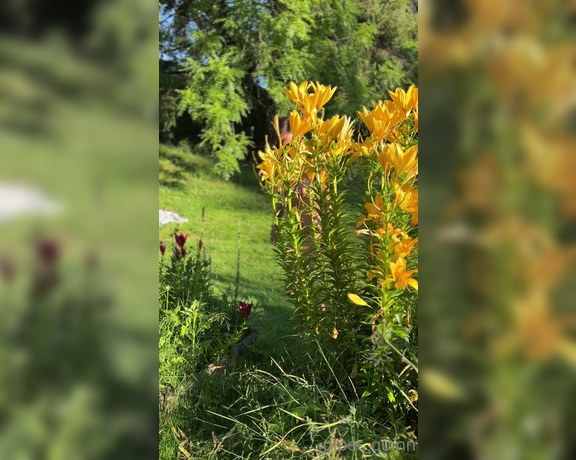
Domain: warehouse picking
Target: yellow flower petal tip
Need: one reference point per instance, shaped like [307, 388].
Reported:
[356, 299]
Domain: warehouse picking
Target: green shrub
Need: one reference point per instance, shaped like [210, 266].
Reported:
[196, 327]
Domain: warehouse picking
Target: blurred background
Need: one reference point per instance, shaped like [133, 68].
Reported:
[498, 112]
[78, 244]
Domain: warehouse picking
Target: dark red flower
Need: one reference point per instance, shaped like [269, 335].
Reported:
[200, 244]
[46, 276]
[92, 261]
[245, 309]
[162, 248]
[7, 268]
[179, 253]
[181, 239]
[48, 251]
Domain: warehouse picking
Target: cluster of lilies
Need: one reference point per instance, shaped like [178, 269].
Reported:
[391, 146]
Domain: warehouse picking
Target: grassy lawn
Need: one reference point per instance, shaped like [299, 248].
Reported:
[237, 215]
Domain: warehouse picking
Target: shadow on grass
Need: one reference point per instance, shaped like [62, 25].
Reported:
[267, 292]
[172, 179]
[248, 176]
[177, 165]
[272, 315]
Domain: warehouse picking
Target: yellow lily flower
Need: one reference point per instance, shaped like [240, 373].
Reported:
[406, 197]
[345, 129]
[405, 101]
[363, 149]
[403, 247]
[376, 211]
[322, 94]
[414, 101]
[298, 125]
[393, 108]
[385, 158]
[405, 161]
[268, 167]
[310, 104]
[325, 128]
[304, 101]
[336, 129]
[400, 276]
[297, 93]
[267, 170]
[380, 120]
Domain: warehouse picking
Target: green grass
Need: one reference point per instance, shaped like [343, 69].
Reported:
[237, 215]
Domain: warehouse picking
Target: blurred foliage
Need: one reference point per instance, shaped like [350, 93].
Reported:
[78, 333]
[226, 63]
[498, 350]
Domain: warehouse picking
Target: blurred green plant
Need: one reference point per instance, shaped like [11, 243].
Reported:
[78, 344]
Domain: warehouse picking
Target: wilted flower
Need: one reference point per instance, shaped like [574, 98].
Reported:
[200, 244]
[245, 309]
[181, 239]
[162, 248]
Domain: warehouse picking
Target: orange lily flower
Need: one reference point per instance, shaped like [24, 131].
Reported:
[298, 125]
[402, 247]
[400, 276]
[405, 161]
[405, 101]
